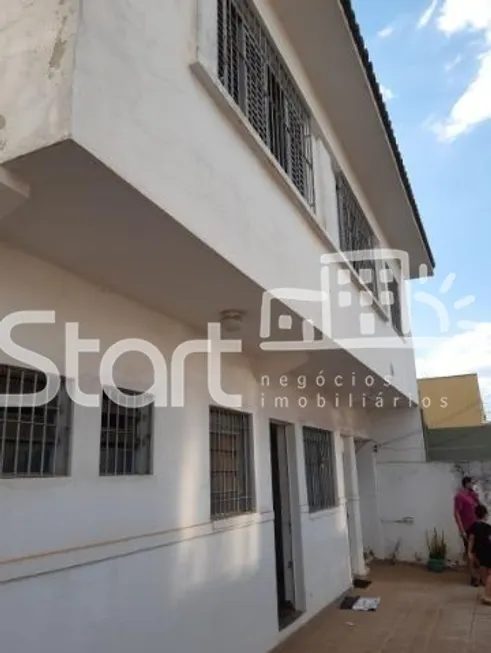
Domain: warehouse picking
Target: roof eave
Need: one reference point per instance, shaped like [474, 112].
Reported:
[385, 119]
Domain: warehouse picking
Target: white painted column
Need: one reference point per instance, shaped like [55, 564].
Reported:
[369, 502]
[326, 193]
[207, 44]
[353, 508]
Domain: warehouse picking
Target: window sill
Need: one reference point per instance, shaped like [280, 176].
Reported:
[114, 478]
[323, 514]
[241, 521]
[35, 481]
[218, 93]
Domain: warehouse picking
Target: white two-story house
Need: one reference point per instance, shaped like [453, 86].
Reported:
[167, 165]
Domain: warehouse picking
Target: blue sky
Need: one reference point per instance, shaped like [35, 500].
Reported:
[433, 60]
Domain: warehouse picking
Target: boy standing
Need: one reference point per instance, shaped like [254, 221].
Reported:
[465, 504]
[480, 549]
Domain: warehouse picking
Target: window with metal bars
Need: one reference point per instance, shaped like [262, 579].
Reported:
[253, 72]
[231, 478]
[126, 437]
[395, 306]
[356, 234]
[391, 298]
[34, 440]
[319, 469]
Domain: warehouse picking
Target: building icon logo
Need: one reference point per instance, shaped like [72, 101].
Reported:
[362, 303]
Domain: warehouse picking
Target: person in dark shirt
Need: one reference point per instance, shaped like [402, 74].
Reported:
[480, 549]
[465, 503]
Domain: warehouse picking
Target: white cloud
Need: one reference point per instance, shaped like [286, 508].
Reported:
[386, 32]
[450, 65]
[464, 353]
[387, 93]
[474, 106]
[428, 14]
[458, 15]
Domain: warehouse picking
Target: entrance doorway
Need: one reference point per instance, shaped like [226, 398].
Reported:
[283, 525]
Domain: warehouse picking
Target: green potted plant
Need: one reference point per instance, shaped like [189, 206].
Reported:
[437, 550]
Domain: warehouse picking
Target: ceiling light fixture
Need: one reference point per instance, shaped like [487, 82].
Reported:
[231, 320]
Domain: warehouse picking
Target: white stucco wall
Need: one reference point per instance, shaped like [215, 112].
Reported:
[140, 107]
[120, 81]
[399, 434]
[36, 73]
[411, 496]
[424, 493]
[373, 543]
[137, 559]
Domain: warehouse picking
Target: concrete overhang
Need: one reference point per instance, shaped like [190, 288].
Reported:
[328, 42]
[85, 219]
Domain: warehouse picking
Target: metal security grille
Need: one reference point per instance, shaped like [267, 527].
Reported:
[126, 437]
[395, 307]
[319, 469]
[356, 234]
[253, 72]
[393, 298]
[230, 463]
[34, 440]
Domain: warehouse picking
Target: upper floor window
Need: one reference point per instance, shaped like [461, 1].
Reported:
[252, 70]
[359, 243]
[392, 298]
[356, 235]
[34, 440]
[230, 463]
[126, 436]
[395, 307]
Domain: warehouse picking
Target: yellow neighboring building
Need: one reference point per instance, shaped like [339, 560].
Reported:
[451, 401]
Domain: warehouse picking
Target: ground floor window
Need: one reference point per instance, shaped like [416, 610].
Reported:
[230, 463]
[34, 440]
[319, 469]
[126, 436]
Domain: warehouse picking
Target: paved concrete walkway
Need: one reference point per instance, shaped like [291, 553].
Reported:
[419, 612]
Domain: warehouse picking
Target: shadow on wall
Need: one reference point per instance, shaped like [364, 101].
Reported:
[480, 471]
[154, 598]
[423, 492]
[201, 594]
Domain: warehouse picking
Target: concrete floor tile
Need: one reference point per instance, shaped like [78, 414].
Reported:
[420, 612]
